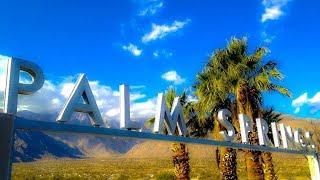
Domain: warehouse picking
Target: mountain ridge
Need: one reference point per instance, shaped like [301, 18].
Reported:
[31, 146]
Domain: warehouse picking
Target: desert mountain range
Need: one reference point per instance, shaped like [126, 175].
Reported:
[31, 146]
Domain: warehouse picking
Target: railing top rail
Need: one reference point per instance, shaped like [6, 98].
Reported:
[23, 124]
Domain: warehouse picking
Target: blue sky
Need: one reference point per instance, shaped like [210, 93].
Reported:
[154, 44]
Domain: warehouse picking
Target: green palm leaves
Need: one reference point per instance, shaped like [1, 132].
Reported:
[235, 79]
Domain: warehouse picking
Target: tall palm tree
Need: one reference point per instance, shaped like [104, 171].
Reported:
[210, 101]
[232, 73]
[197, 128]
[180, 157]
[269, 116]
[225, 157]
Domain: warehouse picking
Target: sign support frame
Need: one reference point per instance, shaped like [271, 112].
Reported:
[6, 144]
[9, 123]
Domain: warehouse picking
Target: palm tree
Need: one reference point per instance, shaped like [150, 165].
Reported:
[234, 74]
[180, 156]
[197, 128]
[269, 116]
[210, 101]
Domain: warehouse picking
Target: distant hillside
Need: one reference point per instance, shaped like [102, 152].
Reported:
[30, 146]
[92, 146]
[303, 123]
[158, 149]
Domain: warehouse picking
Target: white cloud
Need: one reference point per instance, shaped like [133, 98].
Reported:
[273, 9]
[315, 99]
[151, 8]
[133, 49]
[267, 38]
[47, 99]
[55, 101]
[160, 31]
[313, 103]
[271, 13]
[137, 96]
[162, 53]
[174, 77]
[297, 110]
[67, 89]
[156, 54]
[112, 113]
[298, 102]
[143, 110]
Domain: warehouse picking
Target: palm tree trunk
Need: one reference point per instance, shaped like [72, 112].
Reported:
[268, 168]
[226, 158]
[253, 158]
[228, 164]
[254, 166]
[181, 161]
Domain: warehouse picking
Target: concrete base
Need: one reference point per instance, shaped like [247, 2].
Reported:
[313, 161]
[6, 142]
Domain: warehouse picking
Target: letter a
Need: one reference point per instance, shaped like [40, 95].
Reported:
[73, 104]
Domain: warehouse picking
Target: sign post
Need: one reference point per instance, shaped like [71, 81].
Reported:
[6, 144]
[313, 161]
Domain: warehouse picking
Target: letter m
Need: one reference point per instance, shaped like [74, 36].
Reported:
[172, 119]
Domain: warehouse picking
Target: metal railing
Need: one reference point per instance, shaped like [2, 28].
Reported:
[10, 123]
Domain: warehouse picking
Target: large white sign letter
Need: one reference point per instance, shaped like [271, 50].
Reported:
[245, 127]
[125, 122]
[171, 120]
[275, 134]
[263, 129]
[286, 136]
[14, 87]
[81, 90]
[223, 116]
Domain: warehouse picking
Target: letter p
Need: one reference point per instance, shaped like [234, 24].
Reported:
[14, 87]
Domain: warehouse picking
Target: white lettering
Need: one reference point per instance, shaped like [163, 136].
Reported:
[245, 127]
[14, 87]
[223, 116]
[171, 120]
[81, 90]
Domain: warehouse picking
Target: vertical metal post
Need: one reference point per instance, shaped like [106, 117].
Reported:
[6, 144]
[313, 161]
